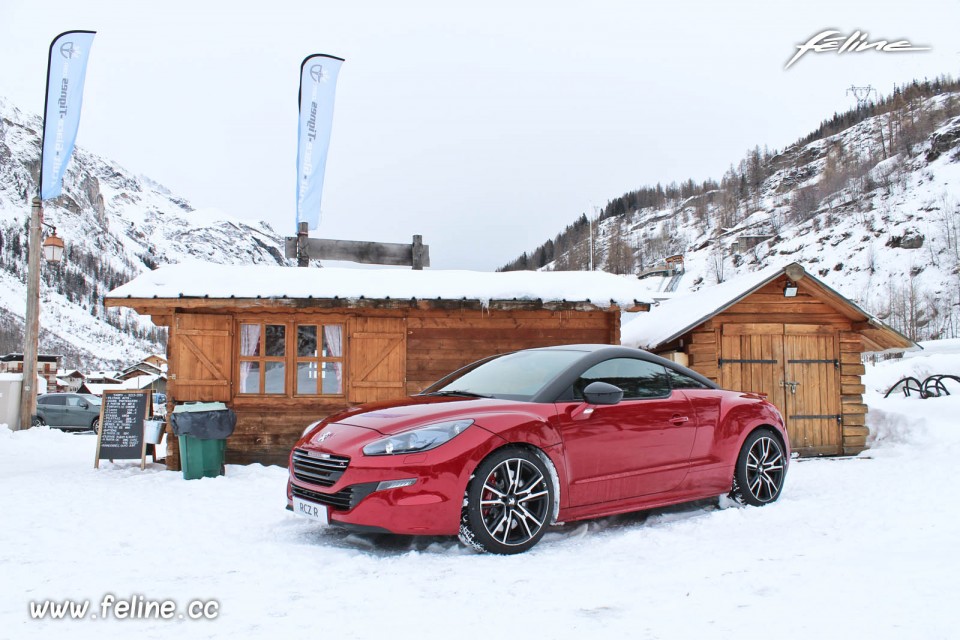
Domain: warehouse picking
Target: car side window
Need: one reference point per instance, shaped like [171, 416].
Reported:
[638, 378]
[53, 400]
[681, 381]
[73, 401]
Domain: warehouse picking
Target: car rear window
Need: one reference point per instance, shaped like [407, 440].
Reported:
[637, 378]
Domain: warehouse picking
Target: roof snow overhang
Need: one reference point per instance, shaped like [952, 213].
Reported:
[652, 330]
[223, 287]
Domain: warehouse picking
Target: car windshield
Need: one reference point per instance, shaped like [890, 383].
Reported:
[514, 376]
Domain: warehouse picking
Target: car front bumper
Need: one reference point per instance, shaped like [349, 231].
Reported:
[429, 506]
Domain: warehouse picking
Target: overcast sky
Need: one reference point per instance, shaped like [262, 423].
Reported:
[486, 127]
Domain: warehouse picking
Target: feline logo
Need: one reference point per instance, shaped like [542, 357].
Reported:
[857, 42]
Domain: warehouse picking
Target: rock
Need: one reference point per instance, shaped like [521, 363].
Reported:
[911, 239]
[944, 140]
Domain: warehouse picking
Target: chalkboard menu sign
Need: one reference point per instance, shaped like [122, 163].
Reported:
[121, 426]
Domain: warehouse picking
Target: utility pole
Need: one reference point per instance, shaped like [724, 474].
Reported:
[862, 94]
[31, 329]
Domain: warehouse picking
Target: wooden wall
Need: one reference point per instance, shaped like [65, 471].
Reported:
[749, 330]
[439, 343]
[854, 409]
[390, 353]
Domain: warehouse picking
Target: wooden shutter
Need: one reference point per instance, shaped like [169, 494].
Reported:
[202, 357]
[378, 359]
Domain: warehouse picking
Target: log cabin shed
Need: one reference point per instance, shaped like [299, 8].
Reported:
[284, 346]
[784, 333]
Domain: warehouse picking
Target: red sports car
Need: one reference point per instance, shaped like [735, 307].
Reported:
[501, 449]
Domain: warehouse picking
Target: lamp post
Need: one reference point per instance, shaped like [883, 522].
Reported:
[53, 252]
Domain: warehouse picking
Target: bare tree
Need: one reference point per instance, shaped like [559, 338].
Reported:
[717, 258]
[619, 255]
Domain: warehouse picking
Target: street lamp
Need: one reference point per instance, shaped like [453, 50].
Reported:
[52, 252]
[52, 246]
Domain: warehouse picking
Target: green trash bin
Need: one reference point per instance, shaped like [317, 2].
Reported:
[201, 458]
[202, 429]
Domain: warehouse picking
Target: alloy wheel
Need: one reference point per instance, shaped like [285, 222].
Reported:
[765, 469]
[514, 502]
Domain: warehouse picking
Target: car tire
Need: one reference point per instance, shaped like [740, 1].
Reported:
[761, 469]
[37, 422]
[508, 503]
[95, 425]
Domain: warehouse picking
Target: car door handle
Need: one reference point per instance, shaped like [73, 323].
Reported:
[679, 419]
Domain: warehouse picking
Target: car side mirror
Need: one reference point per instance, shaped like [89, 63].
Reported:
[84, 405]
[602, 393]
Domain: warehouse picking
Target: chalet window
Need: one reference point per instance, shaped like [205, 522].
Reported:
[291, 359]
[319, 359]
[263, 356]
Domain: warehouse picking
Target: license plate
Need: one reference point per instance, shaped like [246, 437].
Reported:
[311, 510]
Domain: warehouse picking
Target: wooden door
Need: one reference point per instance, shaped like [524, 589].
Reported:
[751, 359]
[378, 359]
[796, 366]
[201, 349]
[812, 389]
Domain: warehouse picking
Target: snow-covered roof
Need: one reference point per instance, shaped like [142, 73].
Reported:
[671, 319]
[207, 280]
[141, 382]
[98, 389]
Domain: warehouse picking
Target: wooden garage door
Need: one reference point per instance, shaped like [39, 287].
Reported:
[378, 359]
[751, 359]
[796, 367]
[812, 389]
[201, 357]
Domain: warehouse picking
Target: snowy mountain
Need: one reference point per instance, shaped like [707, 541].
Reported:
[115, 225]
[870, 202]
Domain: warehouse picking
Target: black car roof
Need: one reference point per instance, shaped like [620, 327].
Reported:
[592, 354]
[597, 353]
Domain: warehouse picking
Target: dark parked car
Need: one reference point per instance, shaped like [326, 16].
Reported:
[68, 410]
[501, 449]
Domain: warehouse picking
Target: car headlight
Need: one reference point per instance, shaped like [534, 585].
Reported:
[416, 440]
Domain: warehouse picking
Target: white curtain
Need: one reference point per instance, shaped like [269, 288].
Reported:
[333, 336]
[249, 346]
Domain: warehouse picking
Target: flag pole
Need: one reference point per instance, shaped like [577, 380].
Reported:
[303, 232]
[31, 327]
[70, 49]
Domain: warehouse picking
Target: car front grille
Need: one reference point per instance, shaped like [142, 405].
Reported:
[343, 500]
[322, 469]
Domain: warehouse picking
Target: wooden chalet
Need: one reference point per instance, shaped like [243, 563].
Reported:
[780, 332]
[47, 366]
[69, 381]
[284, 346]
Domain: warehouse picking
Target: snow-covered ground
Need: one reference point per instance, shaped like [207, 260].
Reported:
[860, 547]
